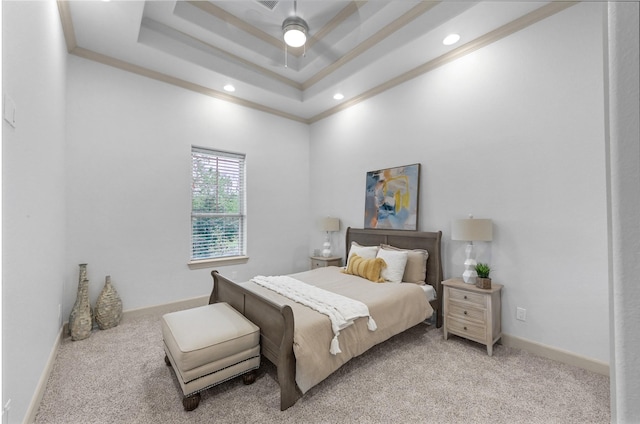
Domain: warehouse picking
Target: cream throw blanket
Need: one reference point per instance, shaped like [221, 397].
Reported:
[341, 310]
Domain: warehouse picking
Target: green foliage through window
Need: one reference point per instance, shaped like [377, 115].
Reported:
[217, 204]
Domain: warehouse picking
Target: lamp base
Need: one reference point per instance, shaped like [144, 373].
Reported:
[326, 251]
[469, 277]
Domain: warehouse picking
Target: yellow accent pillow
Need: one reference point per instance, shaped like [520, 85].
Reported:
[366, 268]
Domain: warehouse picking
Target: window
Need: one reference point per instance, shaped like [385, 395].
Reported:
[217, 205]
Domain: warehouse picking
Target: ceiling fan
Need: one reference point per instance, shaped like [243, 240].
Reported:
[295, 29]
[294, 32]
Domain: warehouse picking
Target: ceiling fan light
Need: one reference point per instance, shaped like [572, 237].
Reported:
[295, 31]
[295, 38]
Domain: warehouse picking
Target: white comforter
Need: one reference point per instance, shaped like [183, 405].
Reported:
[395, 308]
[341, 310]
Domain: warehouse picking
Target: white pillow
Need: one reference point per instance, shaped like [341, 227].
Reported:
[365, 252]
[396, 261]
[416, 269]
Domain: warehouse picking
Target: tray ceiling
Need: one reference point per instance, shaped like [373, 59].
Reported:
[356, 48]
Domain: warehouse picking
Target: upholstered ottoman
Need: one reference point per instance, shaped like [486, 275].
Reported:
[209, 345]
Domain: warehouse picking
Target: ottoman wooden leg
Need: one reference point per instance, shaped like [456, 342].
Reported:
[191, 402]
[166, 360]
[250, 377]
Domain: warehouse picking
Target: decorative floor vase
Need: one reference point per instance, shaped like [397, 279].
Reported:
[74, 309]
[108, 307]
[80, 319]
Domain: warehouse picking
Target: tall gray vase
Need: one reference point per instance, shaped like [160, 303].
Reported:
[80, 319]
[108, 306]
[76, 306]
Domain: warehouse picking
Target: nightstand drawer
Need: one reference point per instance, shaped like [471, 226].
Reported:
[317, 263]
[466, 296]
[466, 311]
[321, 261]
[467, 329]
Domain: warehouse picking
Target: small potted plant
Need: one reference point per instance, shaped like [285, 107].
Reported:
[483, 281]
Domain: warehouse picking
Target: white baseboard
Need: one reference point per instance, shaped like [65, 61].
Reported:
[556, 354]
[32, 410]
[167, 307]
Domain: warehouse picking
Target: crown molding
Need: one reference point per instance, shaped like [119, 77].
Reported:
[246, 63]
[208, 7]
[67, 25]
[159, 76]
[367, 44]
[470, 47]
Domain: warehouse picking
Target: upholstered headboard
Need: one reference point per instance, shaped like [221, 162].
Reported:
[429, 241]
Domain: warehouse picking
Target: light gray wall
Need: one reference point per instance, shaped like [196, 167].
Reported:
[529, 106]
[129, 181]
[513, 132]
[33, 193]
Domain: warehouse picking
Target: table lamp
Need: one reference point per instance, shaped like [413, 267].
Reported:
[329, 225]
[471, 230]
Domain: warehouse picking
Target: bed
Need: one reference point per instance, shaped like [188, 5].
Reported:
[298, 370]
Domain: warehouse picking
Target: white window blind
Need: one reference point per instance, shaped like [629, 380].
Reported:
[217, 204]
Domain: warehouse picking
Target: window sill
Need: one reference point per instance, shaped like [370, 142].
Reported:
[211, 263]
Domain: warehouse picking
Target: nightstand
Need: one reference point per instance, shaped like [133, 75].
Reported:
[472, 313]
[321, 261]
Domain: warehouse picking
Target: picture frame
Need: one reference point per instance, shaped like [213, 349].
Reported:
[391, 198]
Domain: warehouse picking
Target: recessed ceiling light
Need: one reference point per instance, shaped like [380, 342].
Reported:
[451, 39]
[230, 88]
[338, 96]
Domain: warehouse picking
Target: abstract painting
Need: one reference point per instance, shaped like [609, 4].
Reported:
[391, 200]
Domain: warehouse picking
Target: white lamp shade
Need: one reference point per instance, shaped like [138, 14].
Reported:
[472, 230]
[330, 224]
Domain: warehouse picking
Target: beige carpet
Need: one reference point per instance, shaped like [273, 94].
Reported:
[119, 376]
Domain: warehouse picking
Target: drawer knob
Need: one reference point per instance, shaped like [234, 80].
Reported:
[465, 328]
[465, 312]
[465, 296]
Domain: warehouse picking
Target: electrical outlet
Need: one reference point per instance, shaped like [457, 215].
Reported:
[521, 314]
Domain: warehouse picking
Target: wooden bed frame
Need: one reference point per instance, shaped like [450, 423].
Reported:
[276, 322]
